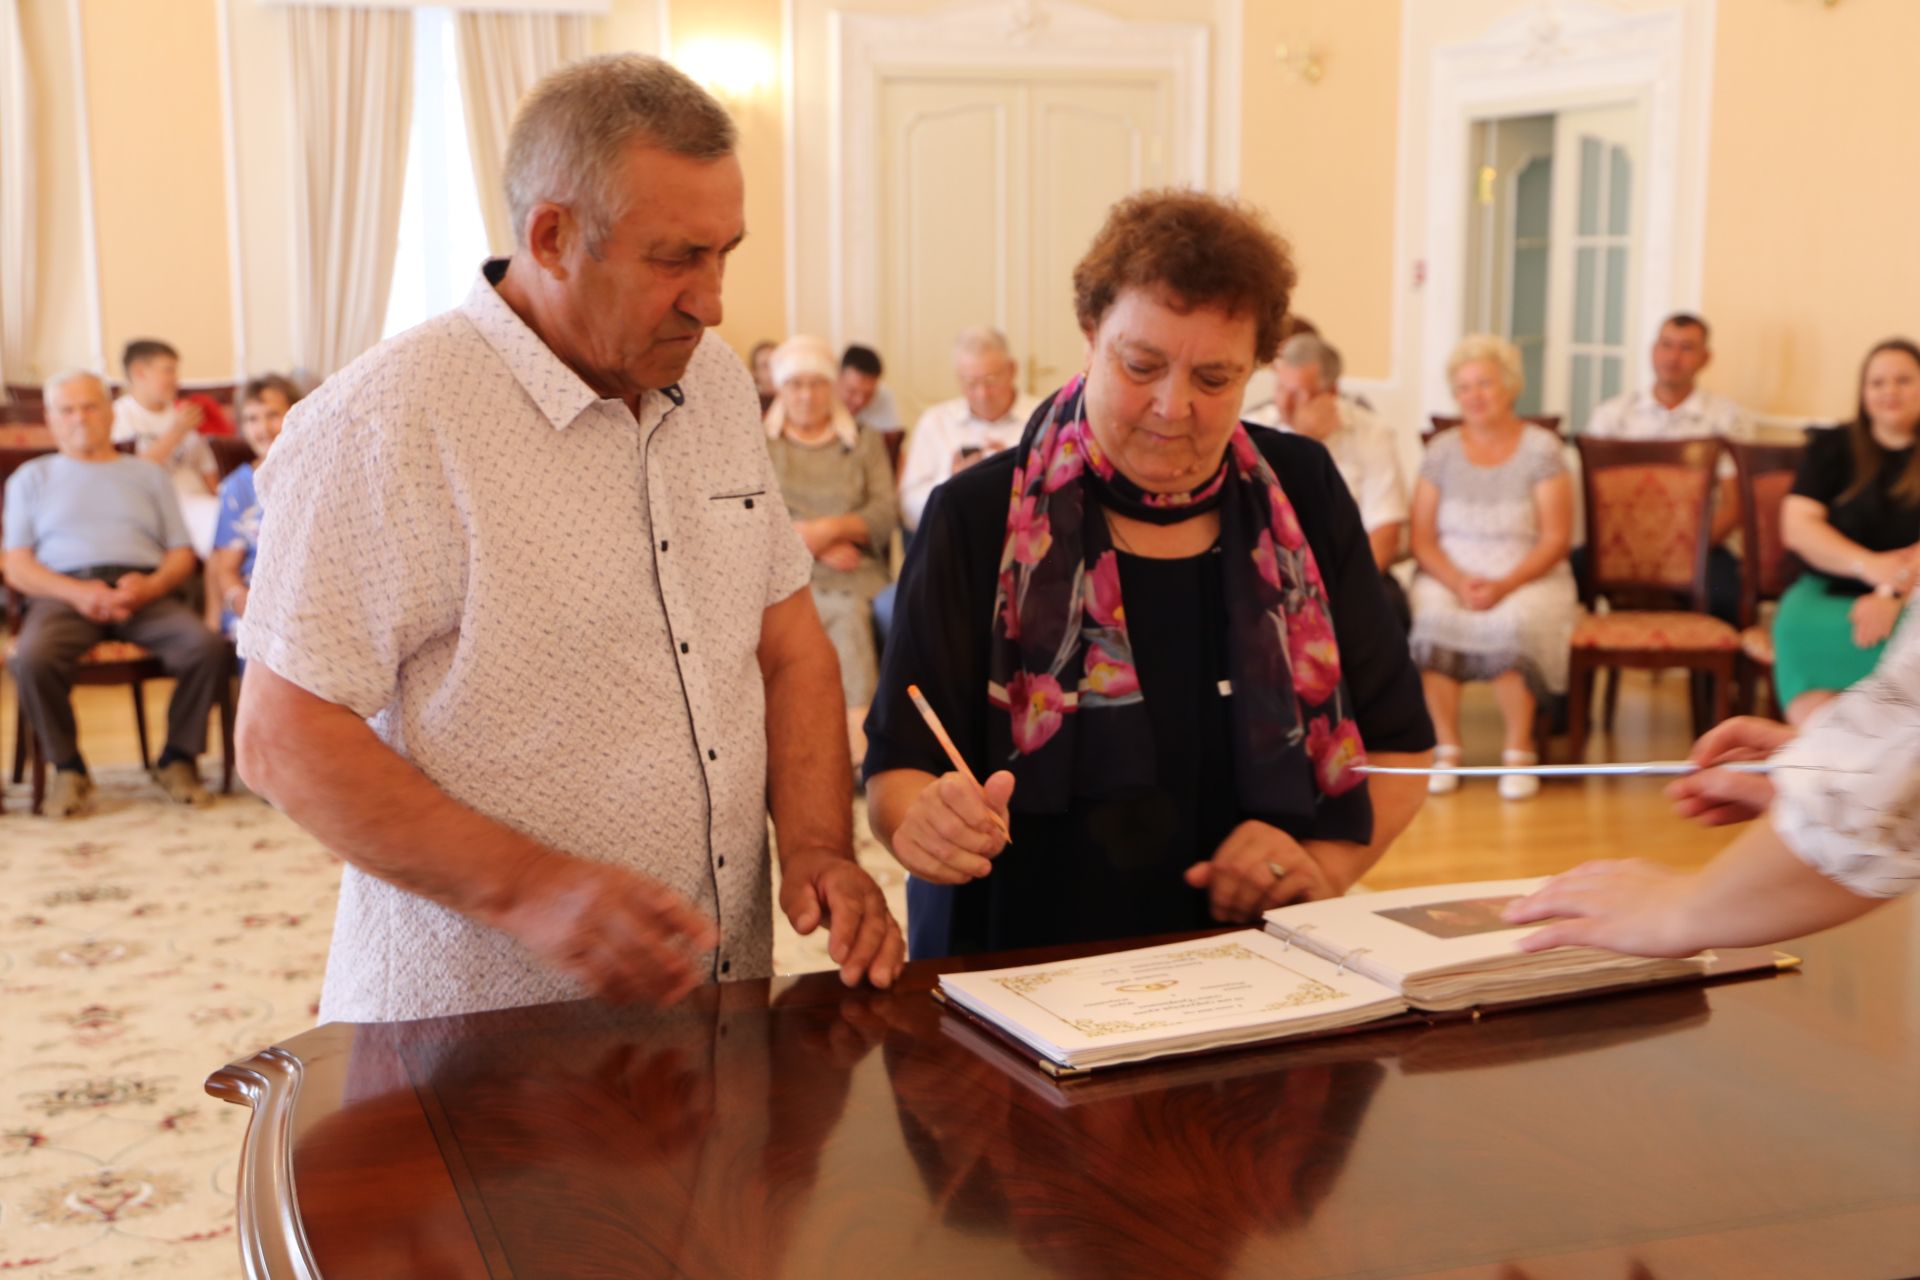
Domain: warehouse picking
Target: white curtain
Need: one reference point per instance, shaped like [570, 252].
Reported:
[502, 56]
[18, 192]
[353, 100]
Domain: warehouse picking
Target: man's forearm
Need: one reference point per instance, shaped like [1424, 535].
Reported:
[1396, 799]
[173, 572]
[809, 774]
[323, 767]
[30, 578]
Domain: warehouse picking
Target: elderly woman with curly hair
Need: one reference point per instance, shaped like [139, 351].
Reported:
[1157, 633]
[1494, 599]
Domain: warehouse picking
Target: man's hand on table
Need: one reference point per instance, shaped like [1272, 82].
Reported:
[862, 937]
[620, 934]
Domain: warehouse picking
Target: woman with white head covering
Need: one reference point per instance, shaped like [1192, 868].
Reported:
[838, 485]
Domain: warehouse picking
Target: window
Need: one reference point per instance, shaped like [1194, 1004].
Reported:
[442, 238]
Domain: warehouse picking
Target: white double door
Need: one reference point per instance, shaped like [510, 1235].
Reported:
[993, 187]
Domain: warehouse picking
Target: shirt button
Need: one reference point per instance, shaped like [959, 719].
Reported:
[722, 861]
[683, 646]
[749, 504]
[726, 966]
[663, 544]
[712, 754]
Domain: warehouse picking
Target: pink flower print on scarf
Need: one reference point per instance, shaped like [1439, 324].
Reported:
[1109, 676]
[1103, 592]
[1334, 753]
[1032, 535]
[1037, 705]
[1315, 655]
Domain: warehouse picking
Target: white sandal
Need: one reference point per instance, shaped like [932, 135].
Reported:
[1444, 784]
[1519, 786]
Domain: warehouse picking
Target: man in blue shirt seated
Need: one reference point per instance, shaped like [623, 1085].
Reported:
[95, 540]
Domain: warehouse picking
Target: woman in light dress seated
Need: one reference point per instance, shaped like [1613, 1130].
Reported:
[1494, 599]
[838, 486]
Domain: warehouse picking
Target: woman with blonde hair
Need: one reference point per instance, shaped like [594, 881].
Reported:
[1494, 599]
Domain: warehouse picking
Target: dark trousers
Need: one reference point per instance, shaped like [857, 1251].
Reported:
[54, 636]
[1723, 581]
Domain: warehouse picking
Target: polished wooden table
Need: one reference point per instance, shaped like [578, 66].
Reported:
[1764, 1127]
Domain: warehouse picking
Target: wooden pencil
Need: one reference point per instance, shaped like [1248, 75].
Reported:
[953, 753]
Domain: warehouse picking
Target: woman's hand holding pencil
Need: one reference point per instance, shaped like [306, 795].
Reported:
[956, 824]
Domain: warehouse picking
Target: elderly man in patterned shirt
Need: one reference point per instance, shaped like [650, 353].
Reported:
[531, 641]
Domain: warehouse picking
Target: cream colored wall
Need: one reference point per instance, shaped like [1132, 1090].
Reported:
[1808, 255]
[1319, 158]
[1812, 254]
[67, 337]
[755, 300]
[159, 178]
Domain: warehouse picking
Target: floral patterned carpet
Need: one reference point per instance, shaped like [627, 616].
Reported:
[141, 947]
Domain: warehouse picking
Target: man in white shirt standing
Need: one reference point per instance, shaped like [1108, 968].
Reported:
[988, 416]
[1307, 401]
[1676, 407]
[530, 638]
[163, 428]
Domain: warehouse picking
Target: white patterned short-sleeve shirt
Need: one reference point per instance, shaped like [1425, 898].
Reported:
[1847, 789]
[550, 608]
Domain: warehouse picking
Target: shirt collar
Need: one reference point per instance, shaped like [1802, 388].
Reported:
[1695, 403]
[557, 391]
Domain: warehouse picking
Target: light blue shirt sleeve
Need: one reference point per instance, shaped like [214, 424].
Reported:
[233, 504]
[22, 489]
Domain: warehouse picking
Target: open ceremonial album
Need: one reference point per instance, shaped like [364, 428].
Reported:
[1316, 967]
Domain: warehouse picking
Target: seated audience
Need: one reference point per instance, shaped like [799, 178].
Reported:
[1853, 518]
[95, 542]
[760, 361]
[839, 490]
[988, 416]
[1841, 833]
[236, 538]
[164, 427]
[1676, 407]
[1494, 599]
[1307, 400]
[1158, 635]
[870, 403]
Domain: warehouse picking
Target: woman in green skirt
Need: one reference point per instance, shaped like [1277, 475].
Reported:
[1853, 518]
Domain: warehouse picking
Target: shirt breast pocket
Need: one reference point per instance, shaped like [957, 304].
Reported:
[730, 558]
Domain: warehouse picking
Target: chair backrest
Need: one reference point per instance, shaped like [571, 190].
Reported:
[229, 453]
[1764, 474]
[1649, 519]
[1443, 422]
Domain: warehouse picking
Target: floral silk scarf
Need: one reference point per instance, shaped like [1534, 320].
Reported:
[1060, 649]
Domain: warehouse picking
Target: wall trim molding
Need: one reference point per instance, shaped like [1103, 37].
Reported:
[1542, 57]
[229, 144]
[89, 226]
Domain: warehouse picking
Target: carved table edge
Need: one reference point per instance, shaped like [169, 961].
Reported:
[273, 1243]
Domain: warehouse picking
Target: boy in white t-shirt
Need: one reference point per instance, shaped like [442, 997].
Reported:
[164, 428]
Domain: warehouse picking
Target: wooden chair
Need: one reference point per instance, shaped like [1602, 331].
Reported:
[230, 453]
[1443, 422]
[1764, 475]
[1649, 522]
[110, 662]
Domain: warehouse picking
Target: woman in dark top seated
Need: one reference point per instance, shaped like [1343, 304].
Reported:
[1156, 634]
[1854, 519]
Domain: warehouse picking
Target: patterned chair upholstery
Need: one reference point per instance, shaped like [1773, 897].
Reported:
[1764, 474]
[1649, 510]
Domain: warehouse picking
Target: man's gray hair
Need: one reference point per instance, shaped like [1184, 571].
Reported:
[1304, 349]
[981, 340]
[65, 376]
[570, 133]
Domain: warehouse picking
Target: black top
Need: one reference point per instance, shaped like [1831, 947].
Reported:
[1873, 518]
[1113, 868]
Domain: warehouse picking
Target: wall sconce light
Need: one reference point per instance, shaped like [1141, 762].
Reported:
[734, 71]
[1302, 59]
